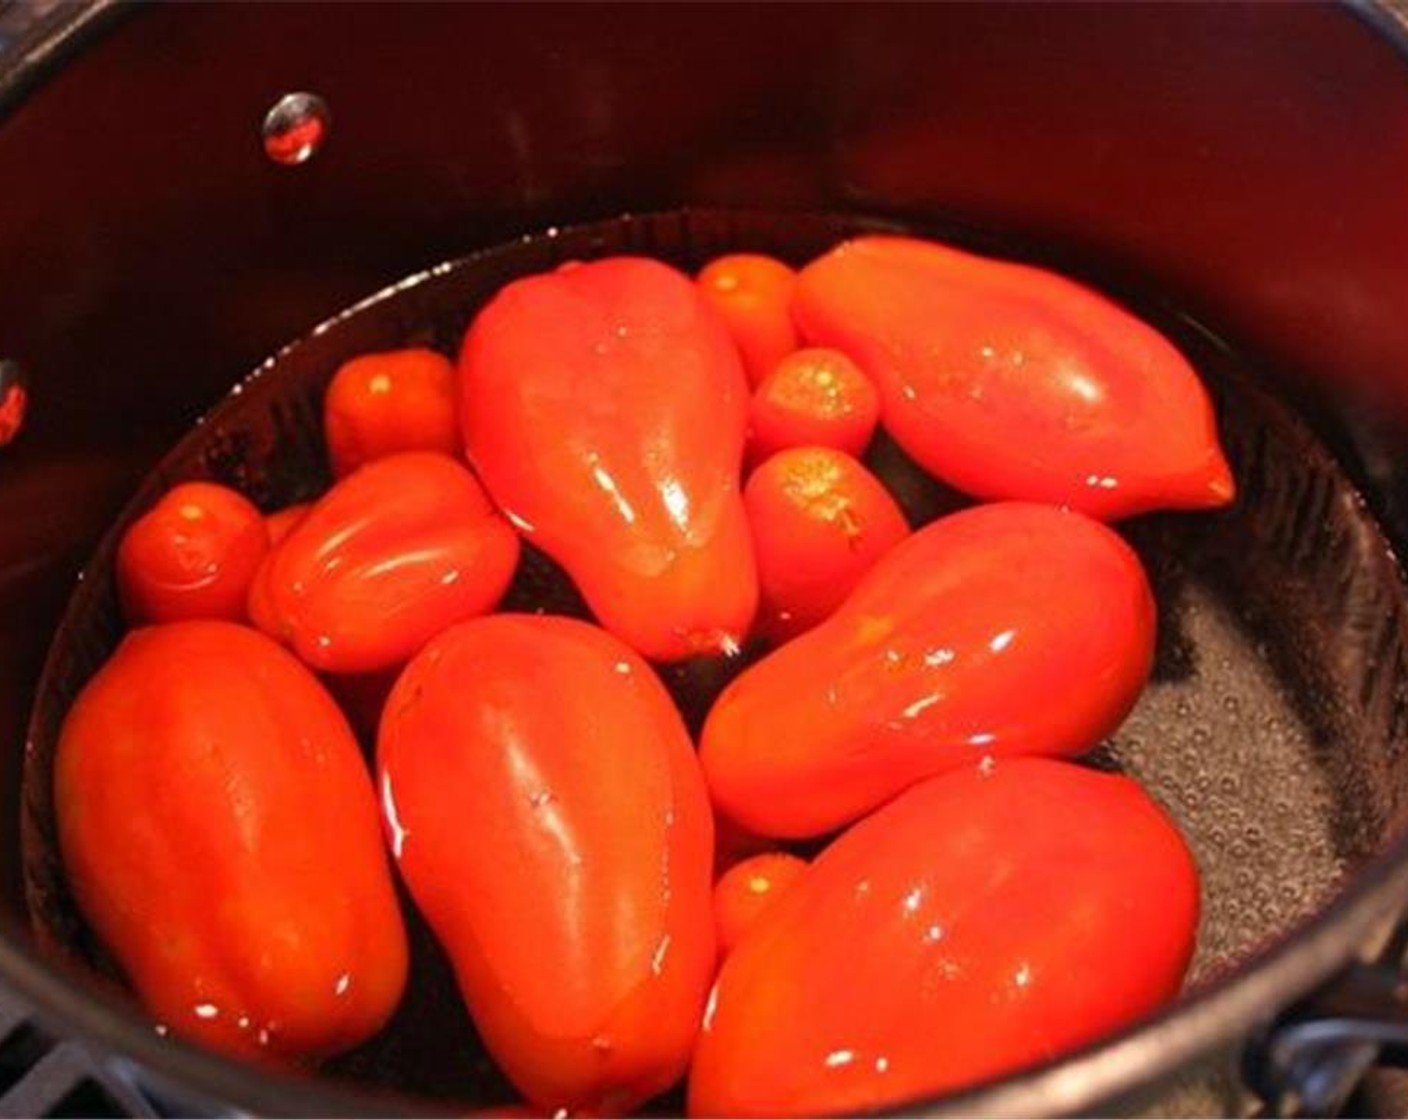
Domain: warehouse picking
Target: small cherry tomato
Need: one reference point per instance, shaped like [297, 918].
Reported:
[820, 521]
[1008, 381]
[386, 559]
[545, 807]
[399, 400]
[983, 921]
[221, 837]
[281, 522]
[1010, 628]
[813, 398]
[192, 555]
[747, 890]
[753, 293]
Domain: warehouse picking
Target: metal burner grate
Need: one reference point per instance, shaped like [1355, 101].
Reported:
[41, 1075]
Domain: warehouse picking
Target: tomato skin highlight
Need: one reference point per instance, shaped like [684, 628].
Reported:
[813, 398]
[604, 407]
[192, 555]
[386, 559]
[394, 400]
[753, 294]
[820, 521]
[1011, 382]
[985, 920]
[748, 890]
[1009, 628]
[221, 836]
[576, 911]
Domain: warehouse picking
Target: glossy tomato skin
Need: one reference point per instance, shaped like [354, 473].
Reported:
[813, 398]
[820, 521]
[1008, 381]
[545, 808]
[753, 294]
[1004, 629]
[220, 834]
[985, 920]
[192, 555]
[748, 890]
[394, 400]
[604, 407]
[386, 559]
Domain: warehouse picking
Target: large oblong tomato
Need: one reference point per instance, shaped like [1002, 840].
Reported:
[605, 408]
[1008, 381]
[220, 834]
[1004, 629]
[546, 810]
[391, 555]
[985, 920]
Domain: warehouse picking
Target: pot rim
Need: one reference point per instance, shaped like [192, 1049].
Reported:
[1119, 1067]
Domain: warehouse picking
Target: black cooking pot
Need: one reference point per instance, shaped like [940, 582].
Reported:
[1237, 171]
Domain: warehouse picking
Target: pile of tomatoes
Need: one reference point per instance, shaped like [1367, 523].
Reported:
[625, 907]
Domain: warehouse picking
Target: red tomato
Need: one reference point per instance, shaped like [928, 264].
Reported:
[813, 398]
[986, 920]
[748, 890]
[1003, 629]
[379, 404]
[753, 293]
[820, 521]
[604, 408]
[386, 559]
[192, 555]
[220, 834]
[1007, 381]
[281, 523]
[546, 810]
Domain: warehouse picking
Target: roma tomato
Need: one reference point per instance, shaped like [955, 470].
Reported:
[985, 920]
[281, 522]
[753, 294]
[820, 521]
[397, 400]
[220, 835]
[576, 909]
[813, 398]
[1008, 381]
[748, 890]
[192, 555]
[386, 559]
[1003, 629]
[604, 407]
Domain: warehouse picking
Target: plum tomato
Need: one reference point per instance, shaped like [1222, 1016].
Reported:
[221, 837]
[985, 920]
[386, 559]
[545, 808]
[1011, 628]
[1009, 381]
